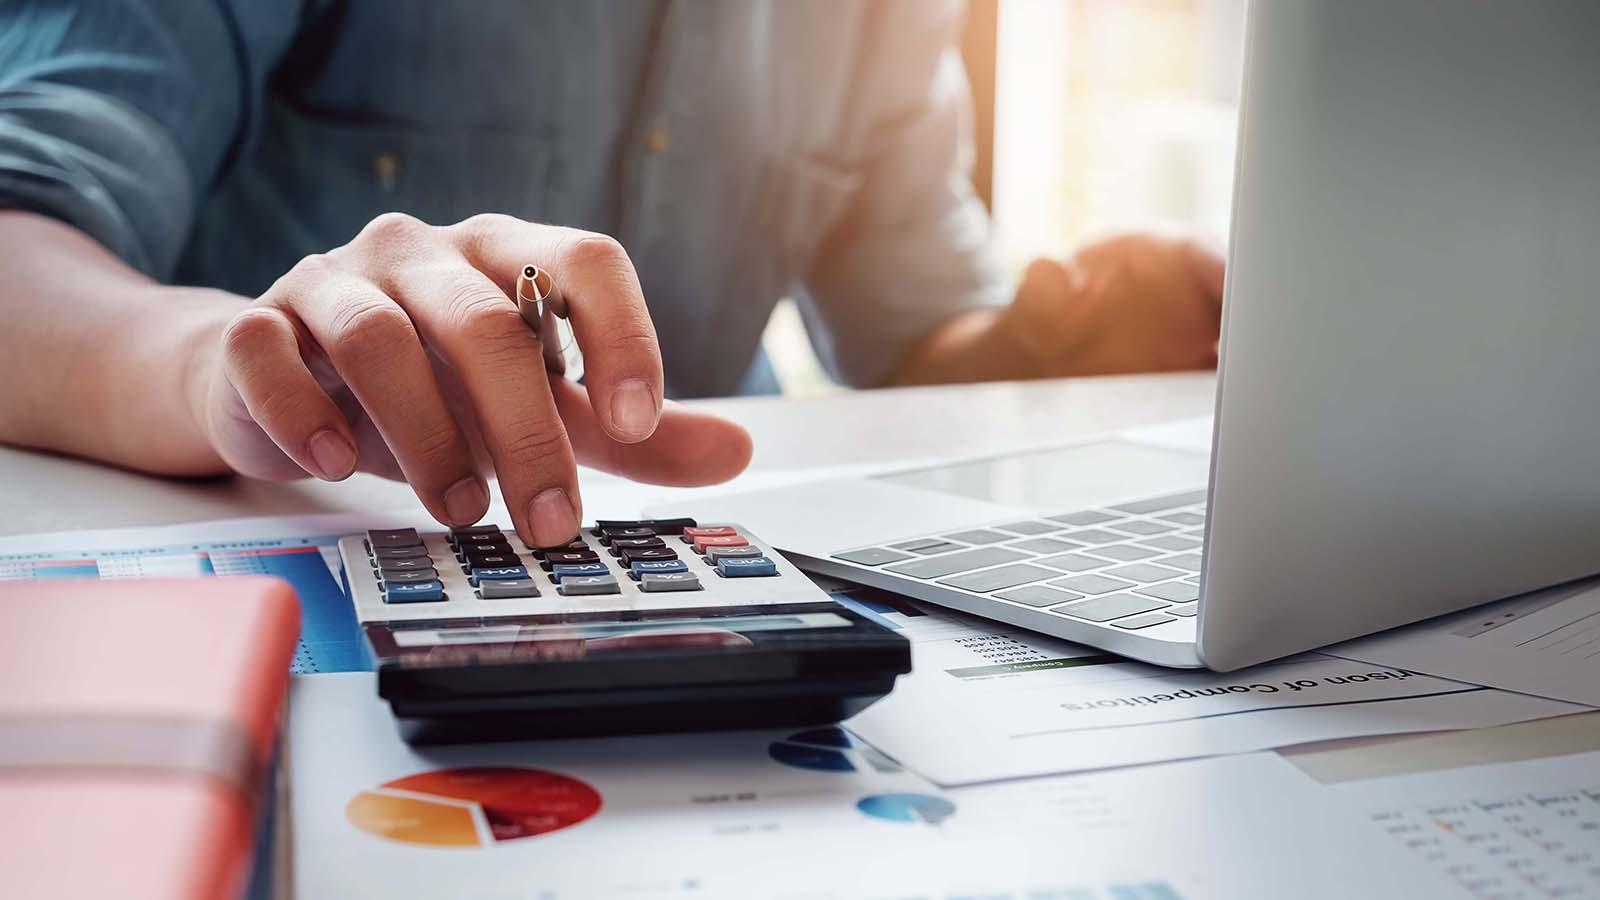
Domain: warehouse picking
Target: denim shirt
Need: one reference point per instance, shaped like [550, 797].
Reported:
[741, 150]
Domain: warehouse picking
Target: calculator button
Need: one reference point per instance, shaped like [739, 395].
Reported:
[491, 560]
[383, 553]
[630, 555]
[562, 571]
[751, 567]
[1104, 609]
[872, 556]
[493, 538]
[717, 554]
[638, 531]
[670, 581]
[413, 577]
[495, 573]
[566, 557]
[940, 566]
[689, 534]
[657, 567]
[508, 588]
[719, 540]
[637, 543]
[422, 592]
[657, 526]
[577, 546]
[394, 537]
[591, 584]
[415, 564]
[474, 529]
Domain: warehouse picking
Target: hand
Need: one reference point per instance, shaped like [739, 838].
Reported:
[1133, 303]
[402, 354]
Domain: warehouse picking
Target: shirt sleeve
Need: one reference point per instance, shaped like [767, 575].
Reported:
[913, 248]
[116, 115]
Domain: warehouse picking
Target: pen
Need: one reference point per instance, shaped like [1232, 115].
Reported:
[545, 310]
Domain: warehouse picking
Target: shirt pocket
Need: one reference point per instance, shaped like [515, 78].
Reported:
[808, 198]
[340, 174]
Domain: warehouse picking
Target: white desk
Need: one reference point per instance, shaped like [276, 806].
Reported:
[39, 492]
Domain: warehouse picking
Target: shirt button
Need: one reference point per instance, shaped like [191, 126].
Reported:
[387, 167]
[659, 139]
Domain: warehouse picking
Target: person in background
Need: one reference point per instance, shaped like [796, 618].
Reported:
[277, 237]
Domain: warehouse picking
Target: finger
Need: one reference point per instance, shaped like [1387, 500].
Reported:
[621, 357]
[688, 448]
[376, 350]
[261, 359]
[478, 331]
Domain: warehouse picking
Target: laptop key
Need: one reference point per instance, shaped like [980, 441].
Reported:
[1095, 536]
[978, 536]
[1092, 584]
[1002, 577]
[938, 547]
[1157, 504]
[916, 546]
[1171, 542]
[954, 563]
[1038, 595]
[1143, 526]
[1104, 609]
[1074, 562]
[872, 556]
[1187, 610]
[1086, 517]
[1189, 561]
[1185, 518]
[1030, 528]
[1143, 572]
[1175, 591]
[1144, 621]
[1045, 545]
[1124, 552]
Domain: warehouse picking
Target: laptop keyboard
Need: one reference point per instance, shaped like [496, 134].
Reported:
[1131, 566]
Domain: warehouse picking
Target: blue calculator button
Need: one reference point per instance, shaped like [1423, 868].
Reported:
[418, 592]
[498, 573]
[578, 570]
[657, 567]
[747, 567]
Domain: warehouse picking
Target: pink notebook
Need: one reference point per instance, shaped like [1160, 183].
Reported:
[137, 725]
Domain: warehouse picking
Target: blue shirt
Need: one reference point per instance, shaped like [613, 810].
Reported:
[742, 150]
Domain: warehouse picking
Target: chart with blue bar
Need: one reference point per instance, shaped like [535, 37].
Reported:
[330, 640]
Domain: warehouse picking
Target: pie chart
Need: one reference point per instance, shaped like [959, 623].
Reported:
[472, 807]
[829, 750]
[917, 808]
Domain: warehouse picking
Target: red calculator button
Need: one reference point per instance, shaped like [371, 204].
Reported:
[719, 540]
[690, 535]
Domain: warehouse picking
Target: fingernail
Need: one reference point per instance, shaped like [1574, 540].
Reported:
[334, 456]
[466, 501]
[552, 518]
[634, 410]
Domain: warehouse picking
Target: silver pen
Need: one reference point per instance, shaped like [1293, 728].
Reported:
[545, 310]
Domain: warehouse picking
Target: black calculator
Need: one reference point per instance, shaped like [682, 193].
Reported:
[635, 626]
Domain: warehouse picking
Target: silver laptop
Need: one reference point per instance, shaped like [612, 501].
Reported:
[1408, 409]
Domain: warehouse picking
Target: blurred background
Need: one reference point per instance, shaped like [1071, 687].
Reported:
[1090, 116]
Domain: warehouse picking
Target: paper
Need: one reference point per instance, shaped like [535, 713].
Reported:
[795, 813]
[1525, 830]
[1545, 643]
[985, 702]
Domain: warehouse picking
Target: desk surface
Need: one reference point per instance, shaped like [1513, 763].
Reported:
[40, 492]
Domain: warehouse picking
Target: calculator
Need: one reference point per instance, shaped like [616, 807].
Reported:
[635, 626]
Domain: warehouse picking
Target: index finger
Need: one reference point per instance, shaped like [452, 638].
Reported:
[621, 357]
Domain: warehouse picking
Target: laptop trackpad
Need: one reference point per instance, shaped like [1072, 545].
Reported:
[1067, 478]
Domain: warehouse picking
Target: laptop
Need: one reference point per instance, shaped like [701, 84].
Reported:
[1408, 405]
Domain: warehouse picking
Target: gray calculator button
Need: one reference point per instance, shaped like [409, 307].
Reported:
[1030, 528]
[1073, 562]
[508, 588]
[1175, 591]
[940, 566]
[1171, 501]
[1143, 572]
[995, 579]
[1185, 518]
[937, 547]
[415, 564]
[871, 556]
[1172, 542]
[1086, 517]
[1104, 609]
[916, 546]
[1187, 610]
[1045, 545]
[1124, 552]
[393, 537]
[1143, 526]
[713, 554]
[668, 581]
[1144, 621]
[576, 585]
[1092, 584]
[978, 536]
[1037, 595]
[1095, 536]
[1189, 561]
[411, 576]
